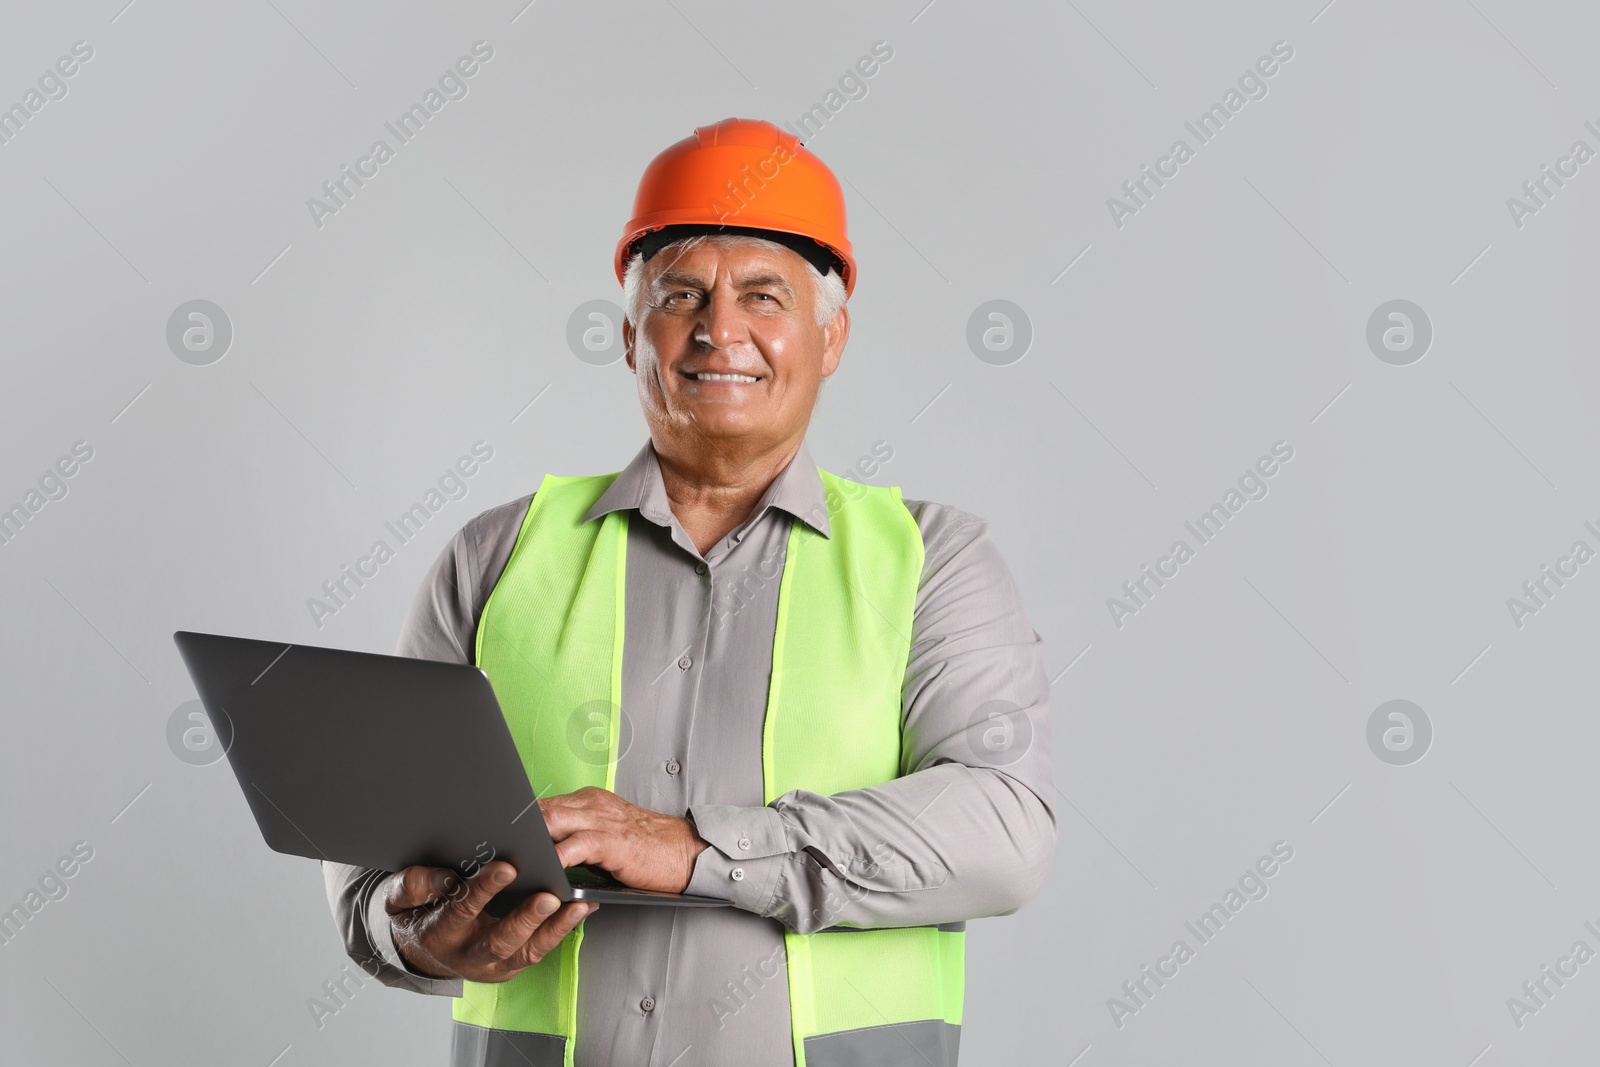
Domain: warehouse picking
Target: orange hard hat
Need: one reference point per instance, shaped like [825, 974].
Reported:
[741, 176]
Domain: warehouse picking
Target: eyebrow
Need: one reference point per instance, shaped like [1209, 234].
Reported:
[764, 280]
[672, 279]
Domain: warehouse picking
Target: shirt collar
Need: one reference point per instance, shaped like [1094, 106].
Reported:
[797, 490]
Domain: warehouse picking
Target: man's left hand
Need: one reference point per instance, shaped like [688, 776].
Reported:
[639, 847]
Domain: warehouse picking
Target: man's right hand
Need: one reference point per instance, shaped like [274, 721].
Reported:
[441, 931]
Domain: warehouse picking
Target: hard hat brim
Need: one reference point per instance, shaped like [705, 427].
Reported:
[816, 253]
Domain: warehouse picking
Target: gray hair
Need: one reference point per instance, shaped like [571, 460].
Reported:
[829, 287]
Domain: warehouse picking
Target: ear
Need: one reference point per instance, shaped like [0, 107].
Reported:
[627, 343]
[834, 336]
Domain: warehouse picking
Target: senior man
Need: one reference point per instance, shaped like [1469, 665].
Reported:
[802, 694]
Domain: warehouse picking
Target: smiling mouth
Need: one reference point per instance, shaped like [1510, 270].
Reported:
[708, 376]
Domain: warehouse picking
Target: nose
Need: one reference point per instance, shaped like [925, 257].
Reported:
[721, 323]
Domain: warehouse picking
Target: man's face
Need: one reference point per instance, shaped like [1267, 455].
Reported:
[740, 309]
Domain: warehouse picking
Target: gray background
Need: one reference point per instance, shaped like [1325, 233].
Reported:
[1228, 314]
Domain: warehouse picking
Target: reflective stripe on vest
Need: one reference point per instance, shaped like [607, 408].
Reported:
[550, 639]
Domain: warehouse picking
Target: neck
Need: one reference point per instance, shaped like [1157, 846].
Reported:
[713, 490]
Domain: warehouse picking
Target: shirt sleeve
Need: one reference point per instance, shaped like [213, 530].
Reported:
[441, 625]
[969, 829]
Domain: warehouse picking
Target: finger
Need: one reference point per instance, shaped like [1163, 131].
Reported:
[590, 803]
[489, 880]
[568, 813]
[415, 887]
[551, 932]
[586, 846]
[512, 932]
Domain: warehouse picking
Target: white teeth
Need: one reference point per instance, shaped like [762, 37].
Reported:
[707, 376]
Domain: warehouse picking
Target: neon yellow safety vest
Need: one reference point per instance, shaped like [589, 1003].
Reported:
[550, 639]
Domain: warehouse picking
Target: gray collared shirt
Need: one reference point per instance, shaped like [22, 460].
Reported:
[966, 832]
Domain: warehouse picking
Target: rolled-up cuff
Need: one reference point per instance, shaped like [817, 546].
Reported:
[746, 833]
[748, 850]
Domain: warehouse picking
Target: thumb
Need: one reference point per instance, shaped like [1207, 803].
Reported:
[415, 887]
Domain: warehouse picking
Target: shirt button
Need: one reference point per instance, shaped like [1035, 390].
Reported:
[737, 874]
[673, 766]
[647, 1004]
[744, 842]
[699, 568]
[685, 663]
